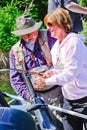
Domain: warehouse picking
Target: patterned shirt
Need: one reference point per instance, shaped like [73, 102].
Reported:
[32, 59]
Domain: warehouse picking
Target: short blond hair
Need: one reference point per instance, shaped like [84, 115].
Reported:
[59, 17]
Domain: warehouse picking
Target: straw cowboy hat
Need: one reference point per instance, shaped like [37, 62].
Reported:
[26, 24]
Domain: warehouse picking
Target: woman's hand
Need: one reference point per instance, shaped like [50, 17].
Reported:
[47, 74]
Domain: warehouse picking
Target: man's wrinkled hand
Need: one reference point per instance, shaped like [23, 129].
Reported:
[40, 81]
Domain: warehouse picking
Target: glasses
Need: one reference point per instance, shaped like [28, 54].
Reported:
[49, 24]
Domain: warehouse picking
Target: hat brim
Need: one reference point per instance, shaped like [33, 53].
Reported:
[28, 30]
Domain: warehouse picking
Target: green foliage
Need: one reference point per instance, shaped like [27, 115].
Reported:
[3, 3]
[83, 2]
[7, 24]
[5, 85]
[40, 8]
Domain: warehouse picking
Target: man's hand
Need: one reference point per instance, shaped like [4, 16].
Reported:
[40, 81]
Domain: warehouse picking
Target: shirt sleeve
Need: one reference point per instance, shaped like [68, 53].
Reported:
[16, 78]
[51, 5]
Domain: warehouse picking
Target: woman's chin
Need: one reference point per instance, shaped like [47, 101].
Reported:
[53, 36]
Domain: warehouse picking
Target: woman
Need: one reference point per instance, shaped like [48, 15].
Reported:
[69, 56]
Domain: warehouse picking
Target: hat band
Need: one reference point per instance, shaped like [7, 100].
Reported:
[27, 25]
